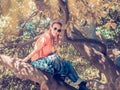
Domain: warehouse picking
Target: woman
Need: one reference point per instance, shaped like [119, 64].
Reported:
[45, 57]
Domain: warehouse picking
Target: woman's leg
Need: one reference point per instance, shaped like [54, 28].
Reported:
[43, 64]
[66, 69]
[72, 72]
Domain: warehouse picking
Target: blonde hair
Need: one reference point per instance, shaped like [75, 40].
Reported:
[56, 22]
[57, 39]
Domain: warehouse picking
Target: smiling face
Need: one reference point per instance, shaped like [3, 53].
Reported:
[55, 29]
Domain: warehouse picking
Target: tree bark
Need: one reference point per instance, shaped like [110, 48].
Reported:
[64, 8]
[102, 62]
[25, 71]
[97, 57]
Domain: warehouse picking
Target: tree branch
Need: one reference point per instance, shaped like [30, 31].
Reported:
[100, 61]
[25, 71]
[87, 40]
[64, 7]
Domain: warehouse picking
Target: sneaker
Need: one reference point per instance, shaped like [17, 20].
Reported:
[82, 86]
[59, 78]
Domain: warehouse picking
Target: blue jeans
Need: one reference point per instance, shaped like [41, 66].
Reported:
[117, 61]
[55, 65]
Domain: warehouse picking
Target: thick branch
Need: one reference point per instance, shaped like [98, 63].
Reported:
[25, 71]
[41, 5]
[64, 7]
[88, 41]
[19, 44]
[100, 61]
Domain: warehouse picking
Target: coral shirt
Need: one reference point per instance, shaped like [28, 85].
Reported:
[47, 46]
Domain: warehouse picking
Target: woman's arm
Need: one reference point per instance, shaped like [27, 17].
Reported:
[29, 56]
[39, 44]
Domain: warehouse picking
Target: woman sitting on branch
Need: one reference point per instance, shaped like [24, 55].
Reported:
[44, 57]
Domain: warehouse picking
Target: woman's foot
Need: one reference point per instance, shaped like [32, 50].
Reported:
[82, 86]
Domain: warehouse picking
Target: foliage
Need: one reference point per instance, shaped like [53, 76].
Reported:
[106, 33]
[12, 12]
[8, 81]
[112, 34]
[117, 29]
[13, 83]
[15, 13]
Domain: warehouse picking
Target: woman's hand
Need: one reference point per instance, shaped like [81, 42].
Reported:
[21, 60]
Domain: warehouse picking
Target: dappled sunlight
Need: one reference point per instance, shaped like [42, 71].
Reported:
[87, 50]
[12, 14]
[23, 70]
[89, 23]
[118, 73]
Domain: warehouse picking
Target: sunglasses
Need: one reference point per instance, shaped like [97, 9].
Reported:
[58, 30]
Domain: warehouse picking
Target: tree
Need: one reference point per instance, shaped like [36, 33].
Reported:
[79, 16]
[90, 12]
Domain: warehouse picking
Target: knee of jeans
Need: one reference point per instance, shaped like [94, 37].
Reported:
[68, 63]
